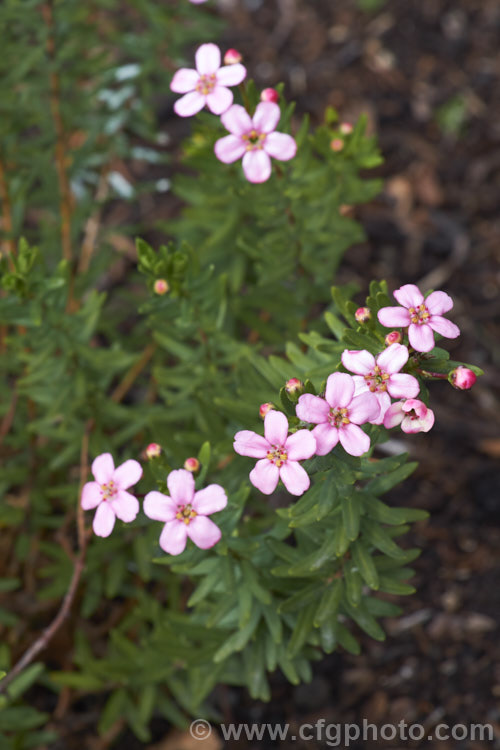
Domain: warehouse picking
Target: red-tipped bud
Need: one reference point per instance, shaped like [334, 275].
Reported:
[232, 57]
[337, 144]
[462, 378]
[363, 314]
[394, 337]
[265, 408]
[346, 128]
[152, 451]
[269, 95]
[294, 387]
[161, 286]
[192, 465]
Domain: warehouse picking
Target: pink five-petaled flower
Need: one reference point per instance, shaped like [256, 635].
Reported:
[108, 493]
[279, 454]
[381, 376]
[412, 414]
[422, 316]
[185, 512]
[255, 139]
[338, 415]
[207, 84]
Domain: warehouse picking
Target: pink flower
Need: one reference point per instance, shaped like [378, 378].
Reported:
[254, 139]
[381, 376]
[462, 378]
[338, 415]
[279, 454]
[108, 493]
[207, 84]
[423, 316]
[185, 512]
[412, 414]
[197, 2]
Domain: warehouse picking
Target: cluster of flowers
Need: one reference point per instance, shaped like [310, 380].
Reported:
[184, 512]
[353, 400]
[252, 139]
[349, 401]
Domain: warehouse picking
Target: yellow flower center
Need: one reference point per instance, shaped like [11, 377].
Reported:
[185, 513]
[338, 417]
[206, 84]
[277, 455]
[254, 140]
[419, 315]
[376, 380]
[108, 490]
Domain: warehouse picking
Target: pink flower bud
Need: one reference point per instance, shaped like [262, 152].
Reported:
[346, 128]
[363, 314]
[232, 57]
[153, 451]
[294, 386]
[462, 378]
[265, 408]
[192, 465]
[337, 144]
[161, 286]
[394, 337]
[269, 95]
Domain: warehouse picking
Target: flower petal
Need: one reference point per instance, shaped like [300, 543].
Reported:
[438, 303]
[360, 362]
[295, 478]
[445, 327]
[248, 443]
[229, 149]
[180, 484]
[173, 537]
[231, 75]
[103, 467]
[104, 520]
[394, 415]
[384, 401]
[209, 500]
[339, 389]
[267, 116]
[265, 476]
[393, 358]
[125, 506]
[257, 166]
[312, 409]
[203, 532]
[127, 474]
[276, 428]
[364, 408]
[91, 495]
[421, 337]
[237, 120]
[219, 100]
[353, 440]
[185, 80]
[207, 59]
[159, 507]
[189, 104]
[360, 385]
[300, 445]
[280, 146]
[402, 385]
[394, 317]
[409, 295]
[326, 437]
